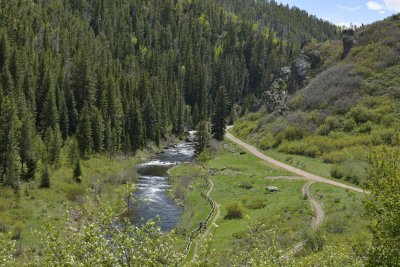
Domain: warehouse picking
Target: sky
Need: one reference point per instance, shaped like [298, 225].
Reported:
[344, 12]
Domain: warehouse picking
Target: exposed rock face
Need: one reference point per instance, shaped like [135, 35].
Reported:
[299, 73]
[316, 59]
[348, 43]
[274, 99]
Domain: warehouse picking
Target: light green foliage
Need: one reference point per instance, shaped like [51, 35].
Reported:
[383, 208]
[6, 248]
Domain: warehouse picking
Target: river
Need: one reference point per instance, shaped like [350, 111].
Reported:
[151, 196]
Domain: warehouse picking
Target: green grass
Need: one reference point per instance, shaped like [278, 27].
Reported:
[344, 221]
[38, 207]
[239, 177]
[286, 208]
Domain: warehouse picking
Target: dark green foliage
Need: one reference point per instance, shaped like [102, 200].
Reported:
[219, 118]
[116, 74]
[78, 172]
[84, 135]
[202, 138]
[9, 134]
[45, 178]
[234, 211]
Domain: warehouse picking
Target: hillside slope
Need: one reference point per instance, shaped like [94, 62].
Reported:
[337, 102]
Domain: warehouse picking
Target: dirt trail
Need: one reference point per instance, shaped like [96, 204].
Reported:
[306, 175]
[208, 229]
[316, 206]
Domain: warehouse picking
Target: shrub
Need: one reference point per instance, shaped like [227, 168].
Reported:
[234, 211]
[315, 241]
[246, 185]
[267, 142]
[256, 204]
[365, 128]
[361, 114]
[17, 230]
[349, 124]
[204, 156]
[336, 225]
[330, 87]
[75, 192]
[352, 171]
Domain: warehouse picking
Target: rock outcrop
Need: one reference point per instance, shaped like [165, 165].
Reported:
[275, 98]
[299, 73]
[348, 43]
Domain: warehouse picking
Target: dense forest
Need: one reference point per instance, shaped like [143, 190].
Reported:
[113, 75]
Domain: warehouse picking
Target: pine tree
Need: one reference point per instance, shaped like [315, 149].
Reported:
[201, 138]
[78, 172]
[9, 150]
[98, 129]
[136, 128]
[84, 135]
[149, 113]
[45, 178]
[49, 115]
[73, 151]
[220, 115]
[26, 146]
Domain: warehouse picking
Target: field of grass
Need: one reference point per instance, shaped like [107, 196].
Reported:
[35, 207]
[344, 221]
[240, 178]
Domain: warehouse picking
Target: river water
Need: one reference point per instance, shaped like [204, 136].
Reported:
[151, 196]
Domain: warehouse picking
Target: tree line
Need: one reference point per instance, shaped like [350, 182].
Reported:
[111, 76]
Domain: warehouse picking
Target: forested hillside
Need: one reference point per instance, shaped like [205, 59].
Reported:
[334, 105]
[116, 74]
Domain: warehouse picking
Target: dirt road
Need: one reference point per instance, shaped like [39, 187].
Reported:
[306, 175]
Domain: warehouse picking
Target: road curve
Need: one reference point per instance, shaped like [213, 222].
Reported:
[319, 213]
[306, 175]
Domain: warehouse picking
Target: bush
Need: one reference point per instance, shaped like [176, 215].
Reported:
[234, 211]
[332, 86]
[17, 230]
[365, 128]
[246, 185]
[267, 142]
[349, 125]
[256, 204]
[75, 192]
[315, 241]
[204, 156]
[361, 114]
[352, 171]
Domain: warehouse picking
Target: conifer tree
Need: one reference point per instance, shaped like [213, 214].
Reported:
[149, 113]
[26, 141]
[78, 172]
[9, 150]
[45, 178]
[98, 129]
[49, 115]
[219, 117]
[84, 135]
[201, 138]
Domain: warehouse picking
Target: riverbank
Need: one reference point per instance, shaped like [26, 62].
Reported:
[34, 208]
